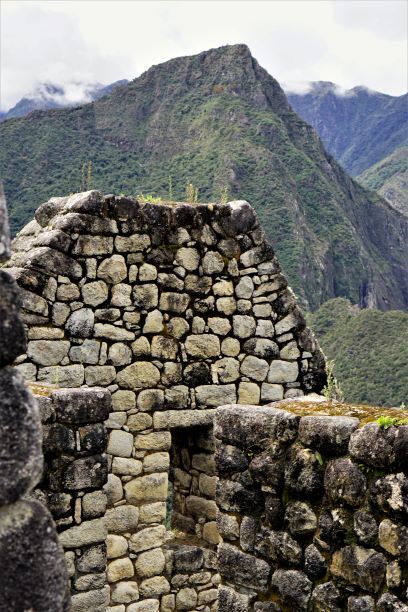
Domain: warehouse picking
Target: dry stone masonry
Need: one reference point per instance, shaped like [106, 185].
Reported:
[176, 309]
[32, 570]
[313, 509]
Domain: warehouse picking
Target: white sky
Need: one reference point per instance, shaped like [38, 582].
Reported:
[349, 42]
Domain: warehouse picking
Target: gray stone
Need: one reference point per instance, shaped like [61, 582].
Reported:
[113, 270]
[95, 293]
[360, 566]
[89, 532]
[120, 443]
[174, 302]
[133, 243]
[121, 295]
[394, 539]
[225, 370]
[80, 323]
[63, 376]
[99, 375]
[147, 272]
[366, 528]
[326, 598]
[122, 518]
[363, 603]
[32, 565]
[231, 601]
[271, 393]
[300, 518]
[279, 547]
[254, 368]
[138, 375]
[87, 352]
[153, 323]
[345, 482]
[203, 346]
[294, 587]
[94, 505]
[390, 603]
[303, 473]
[93, 559]
[88, 472]
[213, 263]
[125, 592]
[241, 568]
[261, 347]
[315, 564]
[150, 537]
[12, 335]
[4, 227]
[21, 459]
[390, 493]
[283, 371]
[216, 395]
[327, 434]
[146, 489]
[120, 354]
[146, 296]
[243, 325]
[244, 288]
[380, 447]
[81, 406]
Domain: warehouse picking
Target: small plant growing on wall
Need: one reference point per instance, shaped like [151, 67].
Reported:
[332, 390]
[191, 193]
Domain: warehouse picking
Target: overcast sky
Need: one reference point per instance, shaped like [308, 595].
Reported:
[349, 42]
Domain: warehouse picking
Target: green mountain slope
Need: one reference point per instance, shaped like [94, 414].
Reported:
[369, 348]
[219, 120]
[359, 127]
[389, 178]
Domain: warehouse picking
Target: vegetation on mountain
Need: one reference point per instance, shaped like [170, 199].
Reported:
[359, 127]
[369, 349]
[219, 122]
[389, 178]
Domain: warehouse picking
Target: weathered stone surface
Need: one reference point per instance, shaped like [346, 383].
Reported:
[315, 564]
[125, 592]
[89, 532]
[360, 566]
[149, 488]
[4, 227]
[364, 603]
[327, 434]
[201, 507]
[390, 603]
[89, 472]
[97, 600]
[150, 563]
[242, 568]
[32, 566]
[95, 293]
[112, 332]
[326, 598]
[254, 368]
[51, 261]
[231, 601]
[147, 605]
[80, 324]
[12, 335]
[344, 482]
[225, 370]
[81, 406]
[155, 441]
[278, 547]
[146, 296]
[390, 494]
[93, 559]
[303, 473]
[251, 426]
[122, 518]
[300, 518]
[112, 270]
[203, 346]
[174, 302]
[116, 546]
[394, 539]
[380, 447]
[365, 528]
[120, 443]
[283, 371]
[243, 325]
[20, 438]
[139, 375]
[64, 376]
[150, 537]
[294, 587]
[119, 569]
[215, 395]
[261, 347]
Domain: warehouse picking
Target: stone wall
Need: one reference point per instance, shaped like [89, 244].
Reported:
[32, 570]
[313, 509]
[75, 472]
[176, 309]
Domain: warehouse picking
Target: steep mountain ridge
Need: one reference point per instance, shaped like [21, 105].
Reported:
[359, 127]
[221, 121]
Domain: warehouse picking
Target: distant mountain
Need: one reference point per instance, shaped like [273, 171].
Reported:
[359, 127]
[47, 96]
[369, 349]
[220, 121]
[389, 178]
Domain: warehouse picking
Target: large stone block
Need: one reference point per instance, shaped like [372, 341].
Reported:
[145, 489]
[380, 447]
[294, 587]
[363, 567]
[254, 426]
[139, 375]
[12, 335]
[32, 566]
[81, 406]
[241, 568]
[21, 459]
[327, 434]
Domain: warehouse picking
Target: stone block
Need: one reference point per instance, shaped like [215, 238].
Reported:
[294, 587]
[186, 599]
[120, 443]
[28, 541]
[363, 567]
[147, 605]
[283, 371]
[243, 569]
[12, 335]
[112, 270]
[150, 537]
[150, 563]
[328, 434]
[149, 488]
[188, 559]
[81, 406]
[122, 519]
[93, 560]
[155, 441]
[344, 482]
[231, 601]
[216, 395]
[96, 600]
[89, 472]
[379, 447]
[120, 569]
[116, 546]
[139, 375]
[94, 504]
[21, 458]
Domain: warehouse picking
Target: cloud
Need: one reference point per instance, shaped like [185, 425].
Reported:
[75, 41]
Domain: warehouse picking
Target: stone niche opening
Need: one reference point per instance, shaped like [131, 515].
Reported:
[191, 507]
